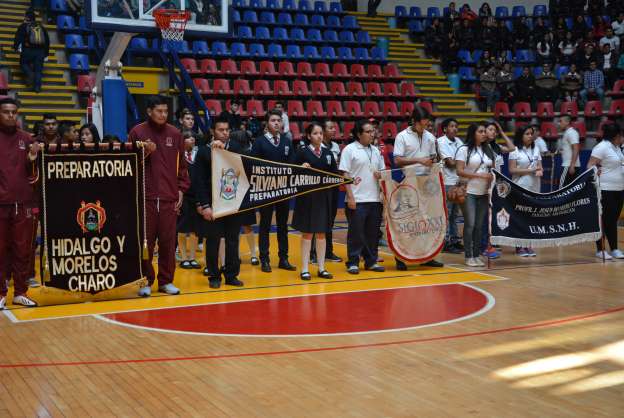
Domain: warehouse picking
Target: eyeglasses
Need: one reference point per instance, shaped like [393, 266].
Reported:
[369, 131]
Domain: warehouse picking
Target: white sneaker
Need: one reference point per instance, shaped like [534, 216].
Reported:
[617, 254]
[24, 301]
[169, 289]
[607, 256]
[472, 262]
[145, 291]
[2, 302]
[480, 261]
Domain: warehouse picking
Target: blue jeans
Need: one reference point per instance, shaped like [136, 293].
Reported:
[453, 212]
[597, 92]
[475, 208]
[363, 233]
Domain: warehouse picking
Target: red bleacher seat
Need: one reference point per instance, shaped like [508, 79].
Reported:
[295, 108]
[501, 110]
[321, 70]
[426, 105]
[371, 109]
[85, 82]
[190, 65]
[375, 72]
[295, 131]
[522, 110]
[355, 89]
[390, 89]
[545, 110]
[340, 70]
[228, 67]
[319, 89]
[353, 109]
[389, 130]
[593, 109]
[569, 108]
[221, 86]
[390, 109]
[373, 89]
[248, 67]
[262, 88]
[617, 90]
[281, 88]
[581, 128]
[300, 88]
[407, 108]
[304, 69]
[315, 109]
[616, 109]
[358, 71]
[286, 69]
[255, 108]
[4, 85]
[271, 104]
[392, 71]
[334, 109]
[347, 128]
[337, 89]
[241, 87]
[201, 84]
[267, 68]
[208, 67]
[408, 90]
[600, 132]
[214, 106]
[549, 130]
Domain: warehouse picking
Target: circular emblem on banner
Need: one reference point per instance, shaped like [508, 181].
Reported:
[91, 217]
[403, 202]
[503, 188]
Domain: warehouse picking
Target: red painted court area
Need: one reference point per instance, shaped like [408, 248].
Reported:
[340, 313]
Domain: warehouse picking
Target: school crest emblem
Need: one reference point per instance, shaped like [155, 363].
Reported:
[91, 217]
[503, 188]
[502, 219]
[229, 183]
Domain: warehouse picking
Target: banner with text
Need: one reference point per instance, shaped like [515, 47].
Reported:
[523, 218]
[415, 212]
[92, 222]
[241, 183]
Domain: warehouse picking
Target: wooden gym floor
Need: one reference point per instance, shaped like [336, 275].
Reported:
[541, 337]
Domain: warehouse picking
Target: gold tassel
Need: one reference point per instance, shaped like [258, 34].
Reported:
[46, 268]
[145, 250]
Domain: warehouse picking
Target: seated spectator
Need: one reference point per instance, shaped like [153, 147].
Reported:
[467, 13]
[450, 49]
[488, 88]
[485, 61]
[560, 27]
[618, 26]
[607, 62]
[614, 8]
[539, 30]
[503, 37]
[544, 49]
[501, 59]
[521, 34]
[593, 83]
[488, 33]
[576, 7]
[233, 115]
[450, 16]
[620, 66]
[600, 27]
[589, 40]
[524, 86]
[567, 49]
[610, 39]
[579, 27]
[571, 84]
[547, 85]
[485, 10]
[114, 8]
[587, 56]
[467, 34]
[595, 7]
[434, 36]
[505, 84]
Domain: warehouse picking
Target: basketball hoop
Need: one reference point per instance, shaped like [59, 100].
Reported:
[172, 23]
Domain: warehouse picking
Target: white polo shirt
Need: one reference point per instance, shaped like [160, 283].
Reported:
[527, 158]
[478, 162]
[409, 144]
[612, 166]
[570, 137]
[448, 149]
[541, 145]
[360, 163]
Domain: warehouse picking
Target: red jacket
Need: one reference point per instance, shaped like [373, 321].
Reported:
[17, 172]
[165, 169]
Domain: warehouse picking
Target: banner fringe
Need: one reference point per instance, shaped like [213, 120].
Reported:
[545, 243]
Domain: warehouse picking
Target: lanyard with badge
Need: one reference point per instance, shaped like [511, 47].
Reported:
[369, 154]
[531, 159]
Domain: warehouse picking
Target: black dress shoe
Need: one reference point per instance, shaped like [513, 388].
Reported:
[205, 272]
[325, 274]
[333, 257]
[255, 261]
[432, 263]
[214, 284]
[305, 275]
[401, 266]
[266, 267]
[285, 265]
[234, 282]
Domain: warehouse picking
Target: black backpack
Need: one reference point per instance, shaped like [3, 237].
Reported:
[35, 35]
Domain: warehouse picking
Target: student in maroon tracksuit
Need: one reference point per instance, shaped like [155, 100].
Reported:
[166, 180]
[18, 154]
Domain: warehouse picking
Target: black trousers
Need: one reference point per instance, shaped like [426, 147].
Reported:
[281, 218]
[363, 233]
[329, 249]
[228, 228]
[31, 63]
[372, 7]
[612, 203]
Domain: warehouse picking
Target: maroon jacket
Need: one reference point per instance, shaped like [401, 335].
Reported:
[17, 172]
[165, 169]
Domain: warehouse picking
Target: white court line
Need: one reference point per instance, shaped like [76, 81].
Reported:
[489, 305]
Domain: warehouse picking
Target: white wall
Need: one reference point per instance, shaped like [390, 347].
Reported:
[387, 6]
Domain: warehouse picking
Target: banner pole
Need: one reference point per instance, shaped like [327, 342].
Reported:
[552, 171]
[602, 233]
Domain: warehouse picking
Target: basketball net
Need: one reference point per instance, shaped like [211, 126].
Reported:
[172, 24]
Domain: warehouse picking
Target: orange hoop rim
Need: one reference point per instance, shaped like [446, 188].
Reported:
[164, 17]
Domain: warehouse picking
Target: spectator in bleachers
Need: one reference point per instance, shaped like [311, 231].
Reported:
[485, 10]
[76, 6]
[610, 39]
[33, 44]
[505, 83]
[571, 84]
[488, 33]
[587, 56]
[450, 49]
[488, 88]
[233, 115]
[620, 66]
[467, 34]
[467, 13]
[579, 27]
[539, 30]
[614, 8]
[372, 8]
[524, 86]
[521, 34]
[49, 134]
[576, 7]
[599, 28]
[503, 36]
[285, 121]
[593, 83]
[547, 85]
[607, 62]
[560, 27]
[567, 49]
[618, 26]
[115, 8]
[434, 38]
[485, 61]
[595, 7]
[545, 49]
[199, 11]
[554, 8]
[450, 16]
[213, 17]
[590, 40]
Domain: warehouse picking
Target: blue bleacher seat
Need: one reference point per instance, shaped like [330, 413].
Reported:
[138, 44]
[333, 22]
[320, 7]
[349, 22]
[255, 4]
[346, 36]
[79, 62]
[284, 19]
[200, 48]
[518, 11]
[249, 16]
[363, 37]
[508, 56]
[335, 7]
[275, 51]
[58, 6]
[180, 48]
[524, 56]
[317, 20]
[219, 49]
[236, 16]
[297, 34]
[361, 54]
[501, 12]
[540, 10]
[293, 52]
[94, 44]
[464, 56]
[280, 34]
[330, 36]
[304, 5]
[529, 23]
[328, 53]
[239, 4]
[517, 72]
[267, 17]
[345, 54]
[238, 49]
[446, 11]
[65, 23]
[415, 26]
[262, 32]
[400, 11]
[245, 32]
[74, 42]
[289, 5]
[257, 50]
[569, 22]
[272, 4]
[310, 52]
[466, 74]
[589, 22]
[561, 71]
[378, 54]
[509, 25]
[301, 19]
[415, 12]
[314, 35]
[83, 25]
[476, 55]
[537, 71]
[433, 12]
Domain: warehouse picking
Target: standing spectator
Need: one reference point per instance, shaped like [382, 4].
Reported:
[485, 10]
[579, 27]
[372, 7]
[524, 86]
[525, 166]
[448, 146]
[434, 38]
[610, 39]
[474, 163]
[488, 88]
[199, 11]
[539, 30]
[505, 84]
[273, 146]
[607, 156]
[593, 83]
[189, 220]
[569, 148]
[362, 162]
[49, 134]
[450, 17]
[33, 44]
[166, 180]
[233, 115]
[450, 49]
[488, 34]
[285, 121]
[503, 37]
[607, 62]
[521, 34]
[567, 49]
[571, 84]
[547, 85]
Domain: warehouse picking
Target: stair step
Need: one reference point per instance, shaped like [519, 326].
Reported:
[451, 108]
[32, 110]
[453, 95]
[21, 7]
[434, 83]
[19, 78]
[46, 88]
[11, 26]
[40, 102]
[357, 14]
[16, 57]
[31, 95]
[9, 45]
[46, 65]
[37, 117]
[469, 115]
[432, 77]
[46, 71]
[436, 89]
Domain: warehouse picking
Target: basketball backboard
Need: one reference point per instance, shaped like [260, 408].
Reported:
[207, 16]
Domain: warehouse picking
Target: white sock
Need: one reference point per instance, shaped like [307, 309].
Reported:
[320, 253]
[222, 252]
[251, 242]
[306, 244]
